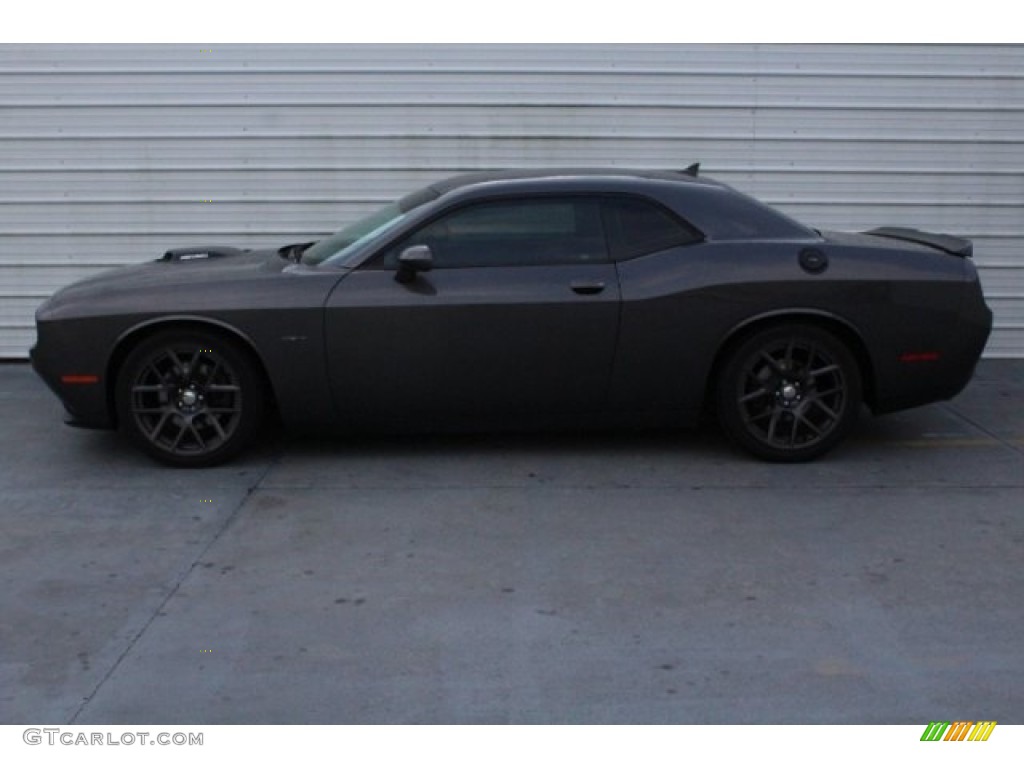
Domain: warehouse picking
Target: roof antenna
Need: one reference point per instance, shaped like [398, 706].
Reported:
[692, 170]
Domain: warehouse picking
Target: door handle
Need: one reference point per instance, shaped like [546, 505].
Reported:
[586, 287]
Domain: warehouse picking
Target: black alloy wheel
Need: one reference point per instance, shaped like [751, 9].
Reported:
[789, 393]
[189, 399]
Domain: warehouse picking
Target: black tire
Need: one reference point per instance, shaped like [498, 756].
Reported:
[789, 393]
[189, 398]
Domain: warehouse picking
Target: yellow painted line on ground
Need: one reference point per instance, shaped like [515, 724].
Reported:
[950, 442]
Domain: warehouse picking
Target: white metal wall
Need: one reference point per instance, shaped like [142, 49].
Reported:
[111, 154]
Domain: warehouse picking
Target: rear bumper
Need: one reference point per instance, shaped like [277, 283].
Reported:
[917, 382]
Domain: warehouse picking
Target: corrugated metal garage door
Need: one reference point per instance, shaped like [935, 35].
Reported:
[112, 154]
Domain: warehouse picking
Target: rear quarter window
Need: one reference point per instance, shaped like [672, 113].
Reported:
[639, 227]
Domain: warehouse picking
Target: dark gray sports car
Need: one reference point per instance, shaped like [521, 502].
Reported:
[524, 299]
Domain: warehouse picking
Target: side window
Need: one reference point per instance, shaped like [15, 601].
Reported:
[637, 227]
[513, 233]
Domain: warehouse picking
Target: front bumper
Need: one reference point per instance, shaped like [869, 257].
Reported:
[85, 401]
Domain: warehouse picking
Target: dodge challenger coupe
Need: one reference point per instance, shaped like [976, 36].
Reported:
[524, 299]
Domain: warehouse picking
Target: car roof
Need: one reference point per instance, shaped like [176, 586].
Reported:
[687, 176]
[714, 208]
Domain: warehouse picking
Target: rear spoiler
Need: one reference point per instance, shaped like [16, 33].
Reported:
[955, 246]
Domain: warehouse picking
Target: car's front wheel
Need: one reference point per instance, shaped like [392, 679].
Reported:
[189, 398]
[789, 393]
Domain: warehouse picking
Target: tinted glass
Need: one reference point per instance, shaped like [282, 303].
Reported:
[350, 238]
[638, 227]
[340, 243]
[513, 233]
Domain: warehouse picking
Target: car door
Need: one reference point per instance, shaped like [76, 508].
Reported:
[517, 319]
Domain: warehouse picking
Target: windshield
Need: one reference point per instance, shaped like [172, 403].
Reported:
[351, 238]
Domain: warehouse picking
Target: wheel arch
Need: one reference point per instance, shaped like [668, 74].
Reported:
[841, 328]
[138, 333]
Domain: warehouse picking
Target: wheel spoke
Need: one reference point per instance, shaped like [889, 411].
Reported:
[754, 395]
[822, 371]
[750, 418]
[159, 425]
[223, 388]
[788, 357]
[199, 438]
[181, 433]
[817, 432]
[210, 373]
[216, 425]
[176, 362]
[772, 363]
[832, 414]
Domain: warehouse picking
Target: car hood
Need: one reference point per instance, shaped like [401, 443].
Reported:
[129, 288]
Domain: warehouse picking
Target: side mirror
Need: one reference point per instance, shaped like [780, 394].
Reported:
[415, 258]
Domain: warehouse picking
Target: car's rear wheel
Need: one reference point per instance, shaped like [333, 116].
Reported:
[789, 393]
[189, 398]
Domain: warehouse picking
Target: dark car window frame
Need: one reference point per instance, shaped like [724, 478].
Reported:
[619, 247]
[386, 257]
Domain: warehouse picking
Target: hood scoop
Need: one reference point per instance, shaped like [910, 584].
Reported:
[198, 253]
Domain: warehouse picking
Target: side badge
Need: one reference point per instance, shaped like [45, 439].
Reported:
[813, 261]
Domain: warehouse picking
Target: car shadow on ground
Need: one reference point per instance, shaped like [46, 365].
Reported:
[895, 432]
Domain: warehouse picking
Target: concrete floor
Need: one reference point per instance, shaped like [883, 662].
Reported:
[544, 579]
